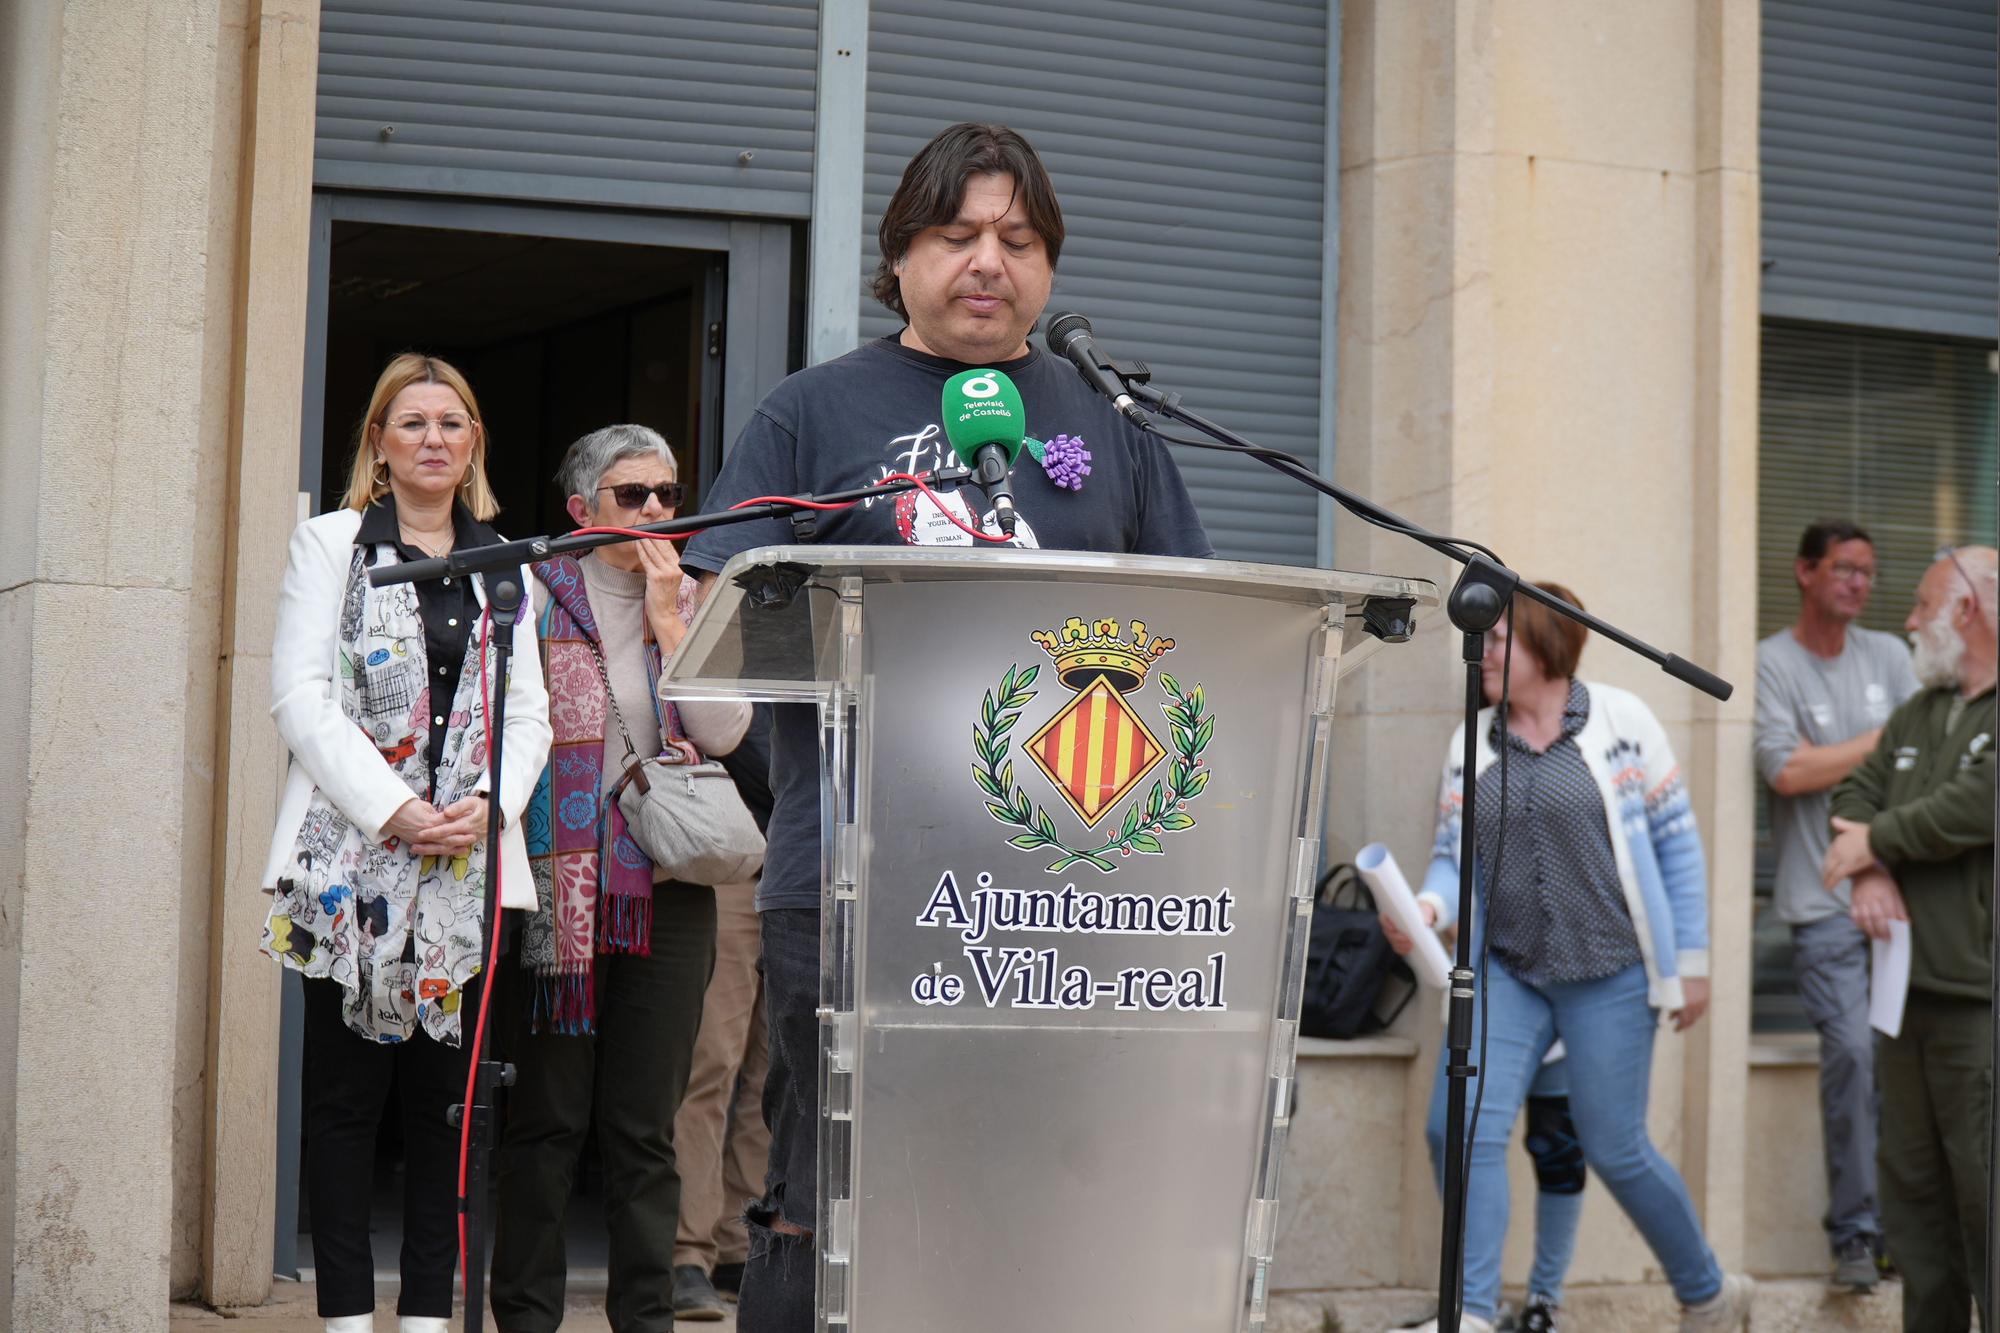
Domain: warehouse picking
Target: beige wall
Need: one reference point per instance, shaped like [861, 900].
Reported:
[279, 42]
[1784, 1166]
[30, 42]
[147, 227]
[106, 435]
[1548, 278]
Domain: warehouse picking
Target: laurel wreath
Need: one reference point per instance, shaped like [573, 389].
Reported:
[1163, 810]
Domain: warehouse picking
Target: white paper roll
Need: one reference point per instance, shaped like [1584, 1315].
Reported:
[1384, 878]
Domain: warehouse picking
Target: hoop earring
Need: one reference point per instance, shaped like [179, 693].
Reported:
[380, 471]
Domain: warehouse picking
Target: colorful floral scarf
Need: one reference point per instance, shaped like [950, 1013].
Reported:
[593, 884]
[350, 907]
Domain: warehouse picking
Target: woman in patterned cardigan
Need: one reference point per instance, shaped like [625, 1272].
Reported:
[378, 866]
[1593, 897]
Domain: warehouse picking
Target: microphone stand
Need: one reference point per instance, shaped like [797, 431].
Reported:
[503, 601]
[1482, 594]
[505, 596]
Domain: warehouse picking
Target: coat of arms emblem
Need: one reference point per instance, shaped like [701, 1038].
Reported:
[1097, 749]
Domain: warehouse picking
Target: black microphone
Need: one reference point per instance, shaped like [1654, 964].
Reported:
[1069, 336]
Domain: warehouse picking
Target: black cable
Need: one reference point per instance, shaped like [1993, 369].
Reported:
[1485, 935]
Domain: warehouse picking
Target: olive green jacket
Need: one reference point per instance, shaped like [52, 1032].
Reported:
[1927, 798]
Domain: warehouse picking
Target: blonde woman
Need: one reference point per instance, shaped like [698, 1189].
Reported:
[378, 867]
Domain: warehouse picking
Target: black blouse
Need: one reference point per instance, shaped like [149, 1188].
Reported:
[447, 607]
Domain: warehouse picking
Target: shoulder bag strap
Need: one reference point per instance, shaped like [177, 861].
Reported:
[610, 697]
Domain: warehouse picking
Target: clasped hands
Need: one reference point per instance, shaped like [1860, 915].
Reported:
[1877, 901]
[426, 830]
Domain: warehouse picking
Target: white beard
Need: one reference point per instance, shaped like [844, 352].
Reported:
[1937, 651]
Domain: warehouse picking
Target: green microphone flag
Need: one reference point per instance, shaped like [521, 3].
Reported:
[987, 426]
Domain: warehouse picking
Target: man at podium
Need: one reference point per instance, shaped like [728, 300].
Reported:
[969, 244]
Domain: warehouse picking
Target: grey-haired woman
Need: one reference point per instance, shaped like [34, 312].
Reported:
[615, 961]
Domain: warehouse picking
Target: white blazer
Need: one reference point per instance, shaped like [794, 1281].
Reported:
[331, 753]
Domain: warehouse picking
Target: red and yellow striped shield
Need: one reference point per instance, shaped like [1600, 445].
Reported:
[1095, 750]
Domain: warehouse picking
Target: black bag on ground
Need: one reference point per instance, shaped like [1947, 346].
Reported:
[1349, 962]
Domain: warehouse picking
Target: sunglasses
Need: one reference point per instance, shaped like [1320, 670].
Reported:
[632, 495]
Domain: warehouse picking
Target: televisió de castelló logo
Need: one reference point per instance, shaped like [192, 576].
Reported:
[1096, 751]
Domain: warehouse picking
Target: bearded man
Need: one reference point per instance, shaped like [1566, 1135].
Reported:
[1913, 828]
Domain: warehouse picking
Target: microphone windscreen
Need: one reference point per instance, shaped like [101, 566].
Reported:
[983, 407]
[1062, 328]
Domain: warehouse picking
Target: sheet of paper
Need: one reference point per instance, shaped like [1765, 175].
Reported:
[1392, 895]
[1890, 980]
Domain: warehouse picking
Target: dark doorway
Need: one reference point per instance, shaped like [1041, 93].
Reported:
[556, 336]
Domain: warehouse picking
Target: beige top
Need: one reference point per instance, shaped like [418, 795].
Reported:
[618, 603]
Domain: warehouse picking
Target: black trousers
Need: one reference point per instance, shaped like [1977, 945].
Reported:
[782, 1270]
[347, 1081]
[628, 1081]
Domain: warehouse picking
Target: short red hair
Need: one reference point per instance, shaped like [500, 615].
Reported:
[1555, 640]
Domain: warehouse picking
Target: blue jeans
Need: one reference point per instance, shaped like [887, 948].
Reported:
[1607, 1027]
[1559, 1170]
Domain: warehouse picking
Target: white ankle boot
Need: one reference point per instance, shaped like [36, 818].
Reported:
[352, 1323]
[423, 1323]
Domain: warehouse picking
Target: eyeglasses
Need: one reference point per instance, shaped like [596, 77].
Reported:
[632, 495]
[414, 427]
[1843, 572]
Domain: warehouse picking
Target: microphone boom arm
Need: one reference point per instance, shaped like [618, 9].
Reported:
[1168, 405]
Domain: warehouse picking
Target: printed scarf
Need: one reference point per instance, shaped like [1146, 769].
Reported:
[593, 883]
[399, 932]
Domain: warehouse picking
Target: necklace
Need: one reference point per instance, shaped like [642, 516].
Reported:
[427, 542]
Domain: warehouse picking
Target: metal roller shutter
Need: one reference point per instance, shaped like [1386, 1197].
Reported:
[1188, 144]
[1893, 431]
[641, 103]
[1879, 148]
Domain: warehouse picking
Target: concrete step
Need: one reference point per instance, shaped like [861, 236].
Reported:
[1784, 1305]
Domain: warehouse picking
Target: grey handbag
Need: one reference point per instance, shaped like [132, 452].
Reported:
[687, 818]
[690, 821]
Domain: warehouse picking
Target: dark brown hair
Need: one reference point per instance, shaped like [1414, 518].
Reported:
[933, 188]
[1827, 533]
[1556, 641]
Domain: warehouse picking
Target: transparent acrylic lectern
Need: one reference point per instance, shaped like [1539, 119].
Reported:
[1070, 820]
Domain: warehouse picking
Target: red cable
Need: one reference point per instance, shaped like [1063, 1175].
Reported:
[956, 521]
[635, 532]
[914, 479]
[493, 863]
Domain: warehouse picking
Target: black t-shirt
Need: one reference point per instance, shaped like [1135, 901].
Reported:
[853, 420]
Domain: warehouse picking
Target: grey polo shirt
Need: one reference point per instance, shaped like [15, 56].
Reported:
[1805, 698]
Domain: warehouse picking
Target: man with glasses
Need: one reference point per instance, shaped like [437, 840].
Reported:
[1913, 828]
[1825, 686]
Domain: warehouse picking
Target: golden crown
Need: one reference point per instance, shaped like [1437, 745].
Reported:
[1084, 650]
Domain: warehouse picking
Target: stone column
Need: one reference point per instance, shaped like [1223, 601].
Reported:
[1716, 1102]
[1547, 344]
[108, 137]
[263, 370]
[1414, 427]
